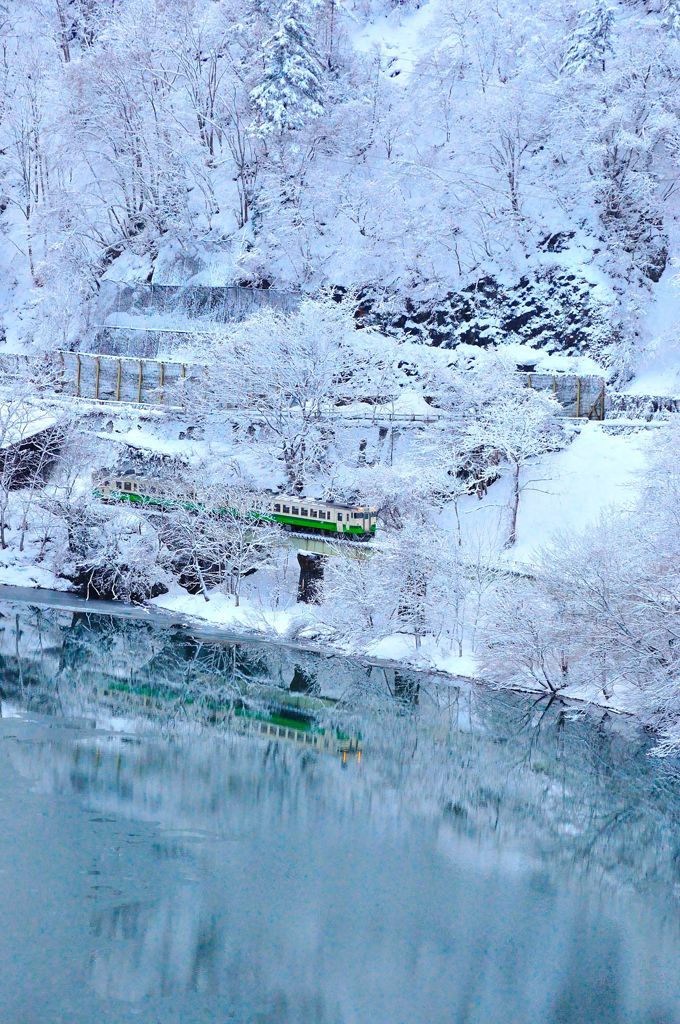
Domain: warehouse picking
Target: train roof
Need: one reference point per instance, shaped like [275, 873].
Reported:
[300, 499]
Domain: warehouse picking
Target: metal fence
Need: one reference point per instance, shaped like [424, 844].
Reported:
[147, 381]
[581, 397]
[119, 379]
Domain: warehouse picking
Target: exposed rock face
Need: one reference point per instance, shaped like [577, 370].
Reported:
[556, 310]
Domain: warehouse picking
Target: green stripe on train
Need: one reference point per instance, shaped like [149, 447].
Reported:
[317, 524]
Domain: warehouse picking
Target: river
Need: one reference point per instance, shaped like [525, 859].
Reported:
[195, 830]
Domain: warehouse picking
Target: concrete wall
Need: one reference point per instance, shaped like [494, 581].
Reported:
[227, 303]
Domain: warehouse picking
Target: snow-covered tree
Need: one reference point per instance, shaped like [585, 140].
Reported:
[214, 542]
[353, 595]
[413, 584]
[601, 610]
[291, 92]
[590, 42]
[671, 18]
[285, 374]
[112, 553]
[518, 425]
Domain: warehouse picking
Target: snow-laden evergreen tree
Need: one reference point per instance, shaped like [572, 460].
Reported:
[291, 92]
[590, 42]
[671, 18]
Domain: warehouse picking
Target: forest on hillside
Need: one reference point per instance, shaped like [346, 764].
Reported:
[478, 172]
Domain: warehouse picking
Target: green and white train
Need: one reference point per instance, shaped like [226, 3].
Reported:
[333, 519]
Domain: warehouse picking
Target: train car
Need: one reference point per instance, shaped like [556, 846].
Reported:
[352, 522]
[282, 723]
[355, 521]
[141, 491]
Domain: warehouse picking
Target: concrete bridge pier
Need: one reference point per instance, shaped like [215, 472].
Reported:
[312, 567]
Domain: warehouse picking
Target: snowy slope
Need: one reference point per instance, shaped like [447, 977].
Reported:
[566, 491]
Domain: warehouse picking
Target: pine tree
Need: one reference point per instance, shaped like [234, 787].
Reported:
[590, 41]
[671, 19]
[291, 92]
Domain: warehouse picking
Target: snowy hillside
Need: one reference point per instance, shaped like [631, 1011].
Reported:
[396, 261]
[477, 173]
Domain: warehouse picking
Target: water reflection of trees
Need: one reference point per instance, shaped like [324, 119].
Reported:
[575, 789]
[217, 805]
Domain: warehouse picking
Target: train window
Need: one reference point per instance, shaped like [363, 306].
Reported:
[313, 513]
[277, 508]
[339, 517]
[127, 486]
[295, 510]
[322, 515]
[118, 484]
[304, 512]
[286, 508]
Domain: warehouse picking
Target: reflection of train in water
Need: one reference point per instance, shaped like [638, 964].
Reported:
[294, 720]
[111, 672]
[284, 723]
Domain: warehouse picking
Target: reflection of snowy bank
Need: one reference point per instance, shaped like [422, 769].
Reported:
[300, 628]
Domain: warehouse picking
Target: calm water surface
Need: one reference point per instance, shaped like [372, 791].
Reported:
[194, 831]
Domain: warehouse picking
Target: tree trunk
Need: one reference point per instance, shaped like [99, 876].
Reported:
[293, 470]
[458, 530]
[514, 506]
[204, 589]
